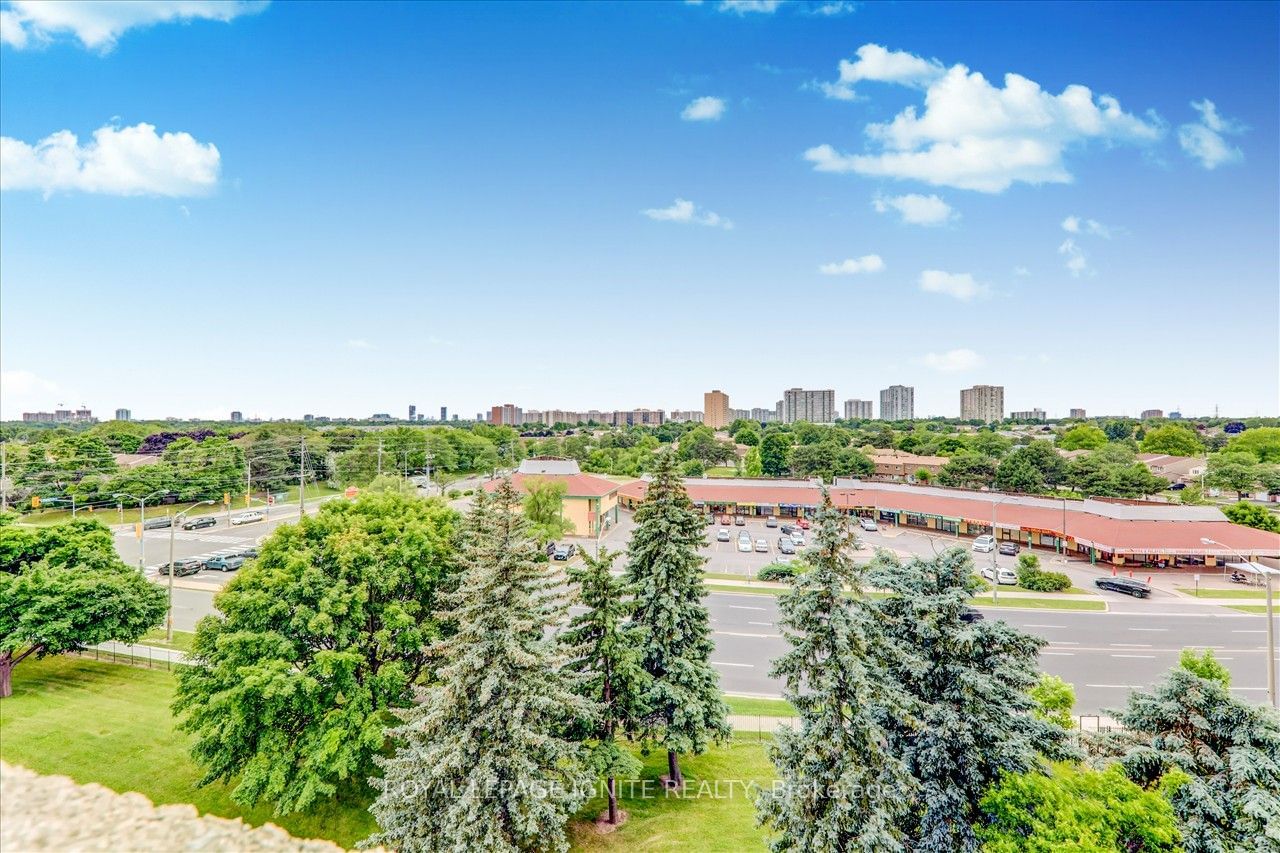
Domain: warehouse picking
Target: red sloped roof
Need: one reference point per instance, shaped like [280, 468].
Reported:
[576, 485]
[1110, 534]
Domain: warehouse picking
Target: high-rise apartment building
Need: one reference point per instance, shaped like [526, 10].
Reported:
[1078, 413]
[777, 411]
[124, 415]
[715, 409]
[762, 415]
[1148, 414]
[816, 406]
[857, 410]
[898, 403]
[508, 414]
[1030, 415]
[686, 416]
[444, 413]
[982, 403]
[413, 412]
[237, 417]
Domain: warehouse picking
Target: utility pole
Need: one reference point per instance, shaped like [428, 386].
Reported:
[302, 482]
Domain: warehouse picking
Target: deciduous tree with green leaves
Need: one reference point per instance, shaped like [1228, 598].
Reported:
[544, 507]
[1233, 470]
[840, 788]
[64, 588]
[484, 760]
[1252, 515]
[774, 449]
[1173, 439]
[1262, 442]
[969, 687]
[291, 681]
[605, 650]
[1082, 437]
[664, 568]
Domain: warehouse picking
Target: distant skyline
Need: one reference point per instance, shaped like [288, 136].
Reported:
[343, 209]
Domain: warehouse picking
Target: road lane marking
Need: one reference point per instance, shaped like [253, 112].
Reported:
[753, 636]
[1060, 654]
[762, 624]
[1033, 625]
[1121, 686]
[1133, 656]
[1248, 688]
[1249, 631]
[1148, 629]
[743, 607]
[725, 663]
[1131, 645]
[1064, 642]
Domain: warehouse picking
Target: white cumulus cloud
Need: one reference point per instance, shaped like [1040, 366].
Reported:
[952, 361]
[835, 8]
[23, 390]
[745, 7]
[878, 64]
[358, 343]
[119, 161]
[853, 266]
[703, 109]
[682, 210]
[1204, 140]
[1077, 225]
[976, 136]
[916, 209]
[959, 285]
[98, 23]
[1077, 261]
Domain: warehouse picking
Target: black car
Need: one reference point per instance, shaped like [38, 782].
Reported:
[787, 529]
[197, 523]
[1128, 586]
[182, 568]
[1010, 549]
[563, 552]
[971, 614]
[160, 521]
[551, 548]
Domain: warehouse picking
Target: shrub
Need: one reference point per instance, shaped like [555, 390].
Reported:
[1039, 581]
[777, 572]
[454, 494]
[468, 493]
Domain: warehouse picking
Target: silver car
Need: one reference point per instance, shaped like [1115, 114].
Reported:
[249, 517]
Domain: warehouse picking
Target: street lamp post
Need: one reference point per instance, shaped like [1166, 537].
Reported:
[1267, 571]
[995, 549]
[142, 521]
[168, 622]
[71, 500]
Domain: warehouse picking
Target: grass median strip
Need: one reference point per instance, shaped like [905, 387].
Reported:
[1221, 593]
[1038, 603]
[1248, 608]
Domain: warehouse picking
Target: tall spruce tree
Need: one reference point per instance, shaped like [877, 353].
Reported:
[969, 686]
[686, 711]
[1216, 756]
[841, 789]
[484, 762]
[605, 650]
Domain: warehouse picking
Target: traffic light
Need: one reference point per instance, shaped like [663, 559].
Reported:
[35, 501]
[226, 499]
[137, 529]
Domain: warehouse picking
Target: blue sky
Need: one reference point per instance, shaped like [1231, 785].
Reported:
[347, 208]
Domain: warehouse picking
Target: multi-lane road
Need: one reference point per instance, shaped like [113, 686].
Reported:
[1105, 655]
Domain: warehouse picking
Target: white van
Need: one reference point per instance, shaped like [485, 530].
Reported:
[984, 544]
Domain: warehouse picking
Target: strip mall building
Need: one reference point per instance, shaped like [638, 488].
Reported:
[1120, 532]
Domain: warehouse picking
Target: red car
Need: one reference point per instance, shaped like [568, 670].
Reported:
[724, 519]
[803, 523]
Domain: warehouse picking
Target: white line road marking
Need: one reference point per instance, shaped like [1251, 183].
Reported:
[752, 636]
[1121, 686]
[1131, 645]
[1249, 631]
[724, 663]
[1133, 656]
[743, 607]
[1148, 629]
[762, 624]
[1064, 642]
[1031, 625]
[1060, 654]
[1248, 688]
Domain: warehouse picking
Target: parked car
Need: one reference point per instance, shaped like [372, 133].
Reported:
[182, 568]
[197, 523]
[797, 538]
[971, 614]
[762, 546]
[157, 523]
[787, 529]
[722, 535]
[563, 551]
[785, 545]
[1010, 549]
[227, 563]
[248, 553]
[249, 517]
[984, 543]
[868, 524]
[1001, 575]
[711, 519]
[724, 519]
[803, 523]
[744, 543]
[771, 521]
[740, 520]
[1129, 586]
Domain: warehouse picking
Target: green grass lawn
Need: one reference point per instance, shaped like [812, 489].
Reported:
[110, 724]
[1222, 593]
[722, 471]
[753, 707]
[1249, 608]
[715, 813]
[1071, 590]
[1038, 603]
[181, 640]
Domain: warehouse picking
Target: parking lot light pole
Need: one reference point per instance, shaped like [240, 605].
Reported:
[168, 622]
[71, 500]
[1267, 571]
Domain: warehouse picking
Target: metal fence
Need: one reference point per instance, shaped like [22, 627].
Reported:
[131, 654]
